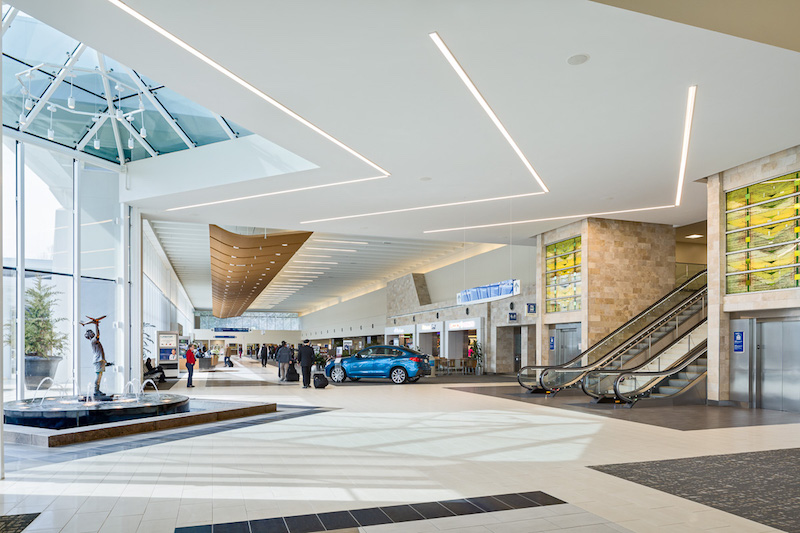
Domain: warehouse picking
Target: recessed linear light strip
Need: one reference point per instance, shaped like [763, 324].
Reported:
[340, 242]
[687, 132]
[287, 191]
[448, 55]
[407, 209]
[222, 70]
[585, 215]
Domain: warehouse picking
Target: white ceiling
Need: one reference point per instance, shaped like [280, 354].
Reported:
[362, 264]
[605, 136]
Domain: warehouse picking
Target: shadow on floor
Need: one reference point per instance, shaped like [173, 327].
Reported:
[680, 417]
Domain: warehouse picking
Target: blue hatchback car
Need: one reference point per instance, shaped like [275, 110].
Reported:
[397, 363]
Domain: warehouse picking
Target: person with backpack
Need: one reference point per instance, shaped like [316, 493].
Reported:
[283, 357]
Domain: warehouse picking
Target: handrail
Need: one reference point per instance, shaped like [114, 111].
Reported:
[619, 350]
[697, 352]
[613, 333]
[645, 363]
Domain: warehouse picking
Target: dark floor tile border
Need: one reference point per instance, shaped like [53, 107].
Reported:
[373, 516]
[16, 523]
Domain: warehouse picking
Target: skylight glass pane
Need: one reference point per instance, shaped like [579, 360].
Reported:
[239, 130]
[33, 42]
[12, 97]
[69, 127]
[198, 122]
[160, 135]
[108, 147]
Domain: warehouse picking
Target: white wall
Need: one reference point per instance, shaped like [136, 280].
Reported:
[164, 300]
[504, 263]
[252, 337]
[366, 315]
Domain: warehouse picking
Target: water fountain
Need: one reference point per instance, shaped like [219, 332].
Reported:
[85, 410]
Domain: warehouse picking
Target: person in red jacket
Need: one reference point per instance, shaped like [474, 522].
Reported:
[190, 360]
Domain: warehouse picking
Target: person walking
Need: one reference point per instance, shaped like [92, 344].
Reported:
[190, 360]
[305, 355]
[263, 354]
[283, 356]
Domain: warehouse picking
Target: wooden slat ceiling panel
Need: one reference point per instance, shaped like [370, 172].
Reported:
[243, 265]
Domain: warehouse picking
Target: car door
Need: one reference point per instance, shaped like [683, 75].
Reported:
[387, 360]
[358, 364]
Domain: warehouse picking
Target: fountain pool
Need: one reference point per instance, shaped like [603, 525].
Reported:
[75, 411]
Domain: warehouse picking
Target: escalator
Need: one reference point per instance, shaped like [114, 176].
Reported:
[683, 382]
[631, 344]
[670, 373]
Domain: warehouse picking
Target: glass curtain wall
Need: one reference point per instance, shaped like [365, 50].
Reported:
[41, 342]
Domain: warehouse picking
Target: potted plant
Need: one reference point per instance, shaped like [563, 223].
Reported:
[319, 360]
[44, 344]
[477, 353]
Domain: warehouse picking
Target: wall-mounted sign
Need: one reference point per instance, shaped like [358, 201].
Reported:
[224, 336]
[429, 327]
[531, 309]
[738, 341]
[462, 324]
[552, 343]
[512, 317]
[487, 293]
[231, 330]
[169, 340]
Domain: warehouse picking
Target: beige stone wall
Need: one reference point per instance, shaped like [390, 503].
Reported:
[406, 294]
[627, 266]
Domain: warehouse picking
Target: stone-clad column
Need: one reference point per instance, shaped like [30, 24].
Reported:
[718, 325]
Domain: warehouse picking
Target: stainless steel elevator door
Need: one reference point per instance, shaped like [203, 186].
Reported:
[769, 366]
[777, 372]
[567, 343]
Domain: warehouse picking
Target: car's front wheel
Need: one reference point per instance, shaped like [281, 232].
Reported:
[338, 374]
[399, 375]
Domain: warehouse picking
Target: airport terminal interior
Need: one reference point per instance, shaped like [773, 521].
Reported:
[400, 266]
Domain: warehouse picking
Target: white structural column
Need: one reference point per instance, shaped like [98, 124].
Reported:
[132, 249]
[111, 108]
[76, 276]
[20, 325]
[541, 339]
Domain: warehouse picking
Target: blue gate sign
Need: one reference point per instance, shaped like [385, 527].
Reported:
[552, 343]
[512, 317]
[738, 341]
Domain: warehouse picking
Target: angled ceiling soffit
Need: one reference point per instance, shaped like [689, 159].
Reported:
[243, 265]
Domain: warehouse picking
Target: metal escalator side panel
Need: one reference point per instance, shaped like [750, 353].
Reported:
[651, 380]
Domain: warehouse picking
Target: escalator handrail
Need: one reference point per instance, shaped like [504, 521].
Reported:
[696, 353]
[622, 348]
[644, 364]
[623, 326]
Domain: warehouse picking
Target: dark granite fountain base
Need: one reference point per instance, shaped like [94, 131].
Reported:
[201, 412]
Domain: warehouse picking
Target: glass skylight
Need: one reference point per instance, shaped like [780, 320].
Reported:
[64, 83]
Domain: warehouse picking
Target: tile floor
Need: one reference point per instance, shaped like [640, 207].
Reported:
[383, 446]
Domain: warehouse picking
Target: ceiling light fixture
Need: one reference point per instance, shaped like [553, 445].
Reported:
[313, 255]
[332, 249]
[287, 191]
[448, 55]
[584, 215]
[436, 206]
[319, 262]
[687, 132]
[694, 236]
[253, 89]
[340, 242]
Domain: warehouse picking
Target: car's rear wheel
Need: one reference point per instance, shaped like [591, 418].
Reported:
[399, 375]
[338, 374]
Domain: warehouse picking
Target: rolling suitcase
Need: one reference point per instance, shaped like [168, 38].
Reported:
[320, 381]
[291, 373]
